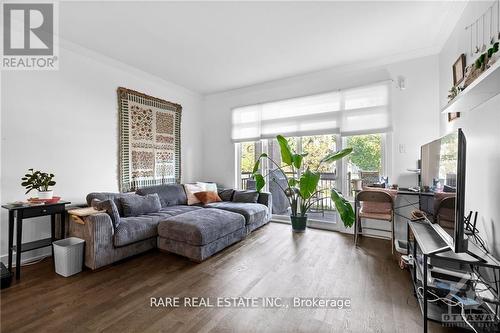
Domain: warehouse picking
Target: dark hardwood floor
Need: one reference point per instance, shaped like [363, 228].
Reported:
[270, 262]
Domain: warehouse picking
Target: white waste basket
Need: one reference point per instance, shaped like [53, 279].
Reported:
[68, 256]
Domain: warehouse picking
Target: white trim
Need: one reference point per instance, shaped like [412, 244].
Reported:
[237, 165]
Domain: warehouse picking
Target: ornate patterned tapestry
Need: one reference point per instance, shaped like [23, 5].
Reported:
[150, 140]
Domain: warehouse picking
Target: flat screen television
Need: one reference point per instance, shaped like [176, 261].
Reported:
[443, 172]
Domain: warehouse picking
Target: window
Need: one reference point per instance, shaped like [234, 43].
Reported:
[248, 153]
[366, 161]
[317, 125]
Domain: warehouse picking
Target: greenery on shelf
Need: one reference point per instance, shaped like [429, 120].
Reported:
[482, 59]
[37, 180]
[301, 190]
[453, 92]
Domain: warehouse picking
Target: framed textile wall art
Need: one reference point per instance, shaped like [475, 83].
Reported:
[150, 140]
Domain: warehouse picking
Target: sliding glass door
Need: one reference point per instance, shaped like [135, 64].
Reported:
[316, 147]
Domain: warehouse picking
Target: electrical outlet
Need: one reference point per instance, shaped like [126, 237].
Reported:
[402, 148]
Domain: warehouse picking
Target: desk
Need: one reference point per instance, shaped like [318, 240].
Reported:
[19, 213]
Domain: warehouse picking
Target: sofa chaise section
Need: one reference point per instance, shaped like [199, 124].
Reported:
[255, 214]
[201, 233]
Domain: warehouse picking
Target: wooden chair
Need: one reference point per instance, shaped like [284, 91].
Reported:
[380, 197]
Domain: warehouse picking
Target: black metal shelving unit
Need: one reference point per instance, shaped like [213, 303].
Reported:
[430, 250]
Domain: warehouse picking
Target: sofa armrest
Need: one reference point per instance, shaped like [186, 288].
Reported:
[98, 234]
[266, 198]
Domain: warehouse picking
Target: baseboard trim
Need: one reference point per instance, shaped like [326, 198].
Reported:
[5, 258]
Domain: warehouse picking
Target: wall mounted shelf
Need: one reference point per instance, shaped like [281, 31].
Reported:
[478, 92]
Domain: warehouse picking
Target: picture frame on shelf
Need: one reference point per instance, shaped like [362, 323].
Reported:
[459, 70]
[453, 116]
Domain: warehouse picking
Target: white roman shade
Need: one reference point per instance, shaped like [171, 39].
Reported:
[353, 111]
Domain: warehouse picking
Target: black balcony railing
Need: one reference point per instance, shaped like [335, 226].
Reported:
[323, 201]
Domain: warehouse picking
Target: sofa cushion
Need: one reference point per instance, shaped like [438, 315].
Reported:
[201, 227]
[109, 195]
[170, 211]
[226, 194]
[110, 208]
[135, 205]
[253, 212]
[191, 189]
[136, 228]
[170, 194]
[212, 187]
[246, 196]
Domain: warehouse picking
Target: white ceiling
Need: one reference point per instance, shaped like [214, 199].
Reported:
[215, 46]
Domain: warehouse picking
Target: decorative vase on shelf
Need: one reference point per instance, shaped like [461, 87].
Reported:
[299, 223]
[45, 194]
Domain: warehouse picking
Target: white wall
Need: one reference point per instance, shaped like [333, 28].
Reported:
[66, 122]
[415, 112]
[481, 128]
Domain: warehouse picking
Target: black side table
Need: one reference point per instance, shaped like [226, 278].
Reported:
[23, 212]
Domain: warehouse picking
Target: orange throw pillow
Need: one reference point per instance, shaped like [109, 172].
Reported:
[207, 197]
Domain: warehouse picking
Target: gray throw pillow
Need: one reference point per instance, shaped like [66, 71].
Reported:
[246, 196]
[134, 205]
[170, 194]
[226, 194]
[110, 207]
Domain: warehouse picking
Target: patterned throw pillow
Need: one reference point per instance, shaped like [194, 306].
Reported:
[246, 196]
[110, 207]
[191, 189]
[207, 197]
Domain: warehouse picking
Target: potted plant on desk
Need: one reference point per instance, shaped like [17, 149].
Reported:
[301, 190]
[41, 181]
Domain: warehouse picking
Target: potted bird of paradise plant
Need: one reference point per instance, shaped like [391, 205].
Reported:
[301, 188]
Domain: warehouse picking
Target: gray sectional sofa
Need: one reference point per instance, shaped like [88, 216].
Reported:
[196, 231]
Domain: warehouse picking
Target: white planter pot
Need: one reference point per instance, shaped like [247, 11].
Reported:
[45, 194]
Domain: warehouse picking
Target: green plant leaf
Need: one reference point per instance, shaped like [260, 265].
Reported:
[257, 163]
[256, 166]
[297, 160]
[259, 181]
[337, 155]
[344, 208]
[292, 182]
[308, 183]
[286, 152]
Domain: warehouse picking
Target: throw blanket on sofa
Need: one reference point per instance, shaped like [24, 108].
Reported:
[150, 147]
